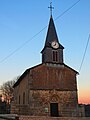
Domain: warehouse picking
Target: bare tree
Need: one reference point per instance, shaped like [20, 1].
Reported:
[7, 89]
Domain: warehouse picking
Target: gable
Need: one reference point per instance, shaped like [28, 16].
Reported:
[51, 76]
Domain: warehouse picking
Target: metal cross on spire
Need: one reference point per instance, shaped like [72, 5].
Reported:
[51, 8]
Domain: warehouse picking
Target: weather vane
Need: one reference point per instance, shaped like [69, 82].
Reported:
[51, 8]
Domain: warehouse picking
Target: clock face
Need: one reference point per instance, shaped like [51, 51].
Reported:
[54, 44]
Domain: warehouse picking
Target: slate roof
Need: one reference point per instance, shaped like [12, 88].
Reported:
[51, 35]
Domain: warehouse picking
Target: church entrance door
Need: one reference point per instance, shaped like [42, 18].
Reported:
[54, 109]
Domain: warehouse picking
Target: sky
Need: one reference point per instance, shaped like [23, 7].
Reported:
[23, 28]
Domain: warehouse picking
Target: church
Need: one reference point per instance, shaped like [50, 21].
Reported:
[50, 88]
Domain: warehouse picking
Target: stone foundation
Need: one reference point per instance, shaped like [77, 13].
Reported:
[52, 118]
[40, 101]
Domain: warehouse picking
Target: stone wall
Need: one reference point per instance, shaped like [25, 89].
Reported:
[53, 76]
[40, 100]
[52, 118]
[44, 86]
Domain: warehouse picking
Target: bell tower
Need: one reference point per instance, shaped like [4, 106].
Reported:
[53, 50]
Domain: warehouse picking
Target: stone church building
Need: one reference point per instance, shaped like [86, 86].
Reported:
[50, 88]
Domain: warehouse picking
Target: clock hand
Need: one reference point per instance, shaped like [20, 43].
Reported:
[55, 44]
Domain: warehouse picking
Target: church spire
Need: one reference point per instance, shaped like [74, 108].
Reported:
[52, 34]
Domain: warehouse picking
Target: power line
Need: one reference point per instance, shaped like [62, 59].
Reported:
[68, 9]
[20, 47]
[84, 54]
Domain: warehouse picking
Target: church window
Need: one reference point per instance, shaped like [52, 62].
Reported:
[24, 98]
[55, 56]
[19, 99]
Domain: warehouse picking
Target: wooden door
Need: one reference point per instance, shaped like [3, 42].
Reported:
[54, 109]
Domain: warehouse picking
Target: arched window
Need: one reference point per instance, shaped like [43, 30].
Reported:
[24, 98]
[55, 56]
[19, 99]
